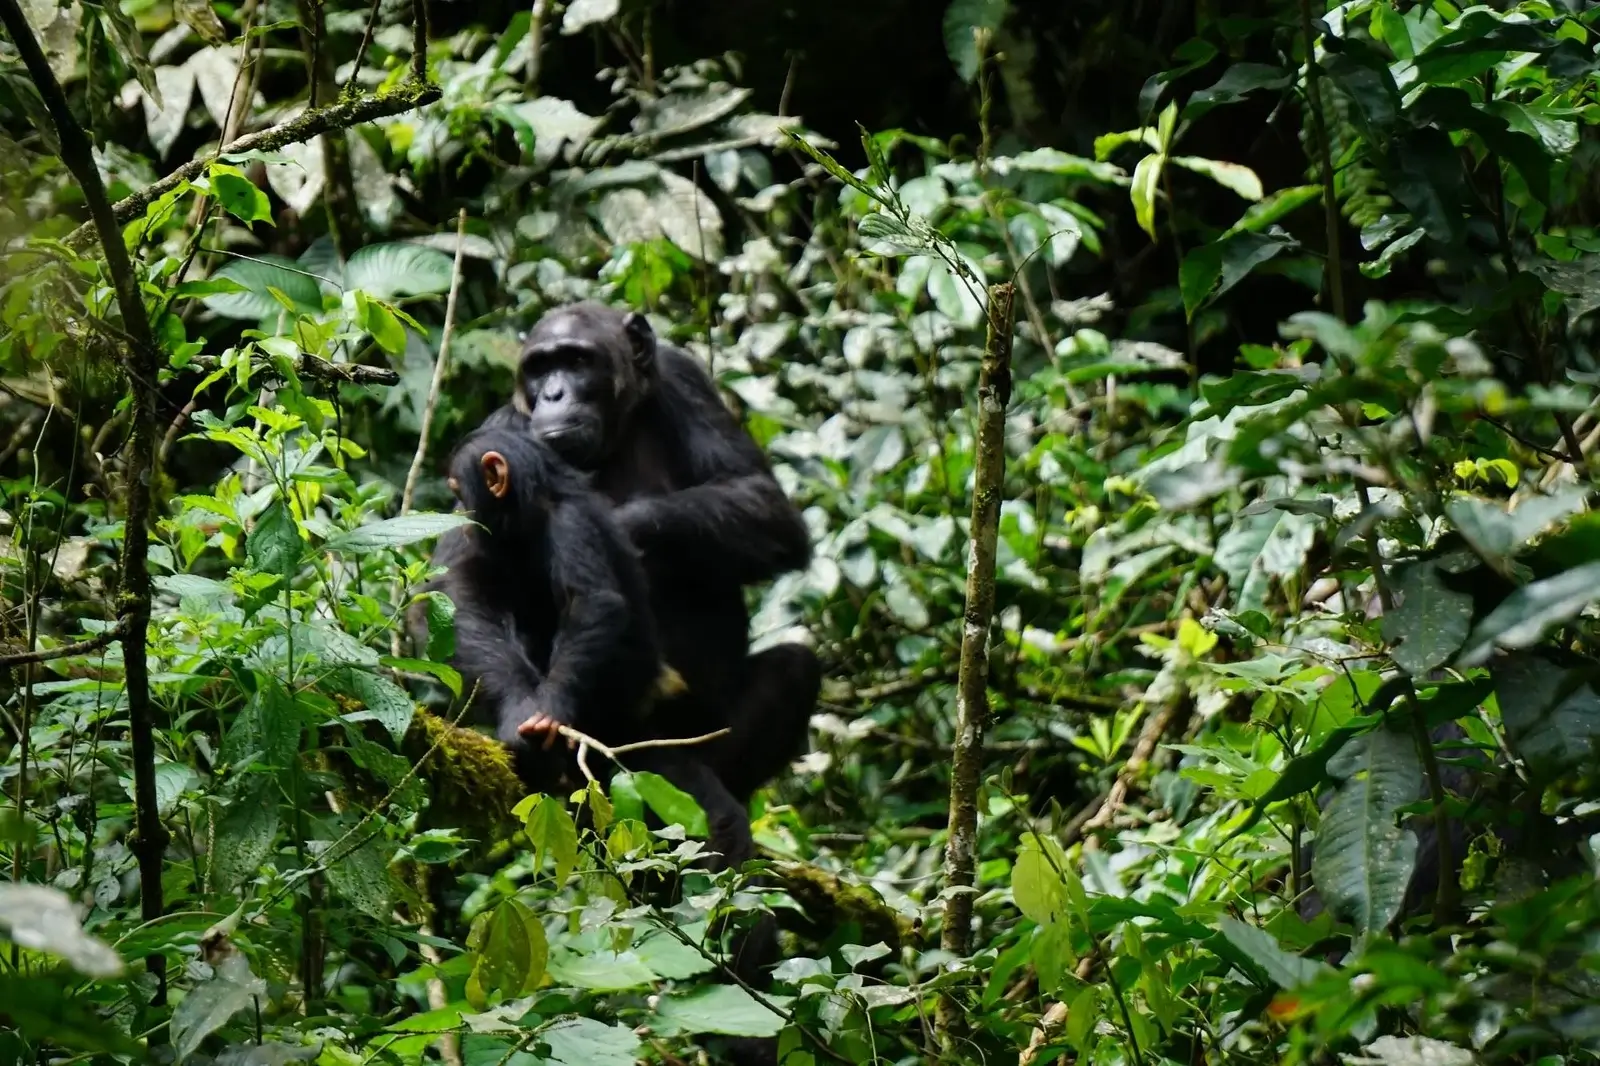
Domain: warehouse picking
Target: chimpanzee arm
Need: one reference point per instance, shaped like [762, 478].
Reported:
[594, 617]
[490, 652]
[733, 517]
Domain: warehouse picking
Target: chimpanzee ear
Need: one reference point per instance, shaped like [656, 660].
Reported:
[496, 474]
[641, 340]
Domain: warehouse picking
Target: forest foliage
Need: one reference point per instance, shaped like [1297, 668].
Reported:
[1295, 562]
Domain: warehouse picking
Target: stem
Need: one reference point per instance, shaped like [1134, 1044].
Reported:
[142, 364]
[1319, 130]
[419, 41]
[437, 385]
[972, 697]
[536, 17]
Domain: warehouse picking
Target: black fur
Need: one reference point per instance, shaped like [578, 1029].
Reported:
[697, 498]
[550, 598]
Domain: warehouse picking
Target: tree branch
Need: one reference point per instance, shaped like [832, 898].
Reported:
[142, 364]
[310, 366]
[313, 123]
[972, 684]
[62, 651]
[437, 386]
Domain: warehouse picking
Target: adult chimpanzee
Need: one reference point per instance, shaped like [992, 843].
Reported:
[551, 615]
[697, 498]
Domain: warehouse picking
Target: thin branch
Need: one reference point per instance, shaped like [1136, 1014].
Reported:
[303, 127]
[63, 651]
[419, 41]
[361, 50]
[1319, 129]
[585, 743]
[437, 386]
[310, 366]
[142, 364]
[972, 685]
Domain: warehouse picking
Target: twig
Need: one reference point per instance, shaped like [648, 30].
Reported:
[439, 364]
[361, 49]
[1319, 129]
[536, 17]
[419, 41]
[63, 651]
[303, 127]
[972, 696]
[141, 365]
[1154, 729]
[586, 743]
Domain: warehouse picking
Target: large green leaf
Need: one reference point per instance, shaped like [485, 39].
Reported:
[398, 269]
[38, 1007]
[725, 1009]
[258, 275]
[511, 955]
[1551, 715]
[1364, 858]
[361, 876]
[396, 532]
[1430, 622]
[1497, 534]
[1522, 618]
[1286, 969]
[209, 1005]
[243, 837]
[961, 19]
[588, 1042]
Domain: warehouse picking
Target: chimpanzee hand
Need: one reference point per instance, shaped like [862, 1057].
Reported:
[638, 521]
[546, 712]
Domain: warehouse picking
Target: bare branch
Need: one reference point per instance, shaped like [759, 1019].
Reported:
[437, 386]
[62, 651]
[310, 366]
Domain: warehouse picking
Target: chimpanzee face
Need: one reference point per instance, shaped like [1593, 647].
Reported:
[584, 370]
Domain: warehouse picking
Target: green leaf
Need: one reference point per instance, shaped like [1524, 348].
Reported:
[384, 700]
[1211, 270]
[1197, 276]
[1551, 715]
[961, 19]
[1258, 548]
[1498, 535]
[38, 1007]
[890, 236]
[1146, 178]
[1044, 885]
[238, 195]
[600, 971]
[725, 1009]
[1364, 859]
[1236, 83]
[1055, 161]
[1430, 622]
[441, 672]
[258, 275]
[1235, 177]
[385, 271]
[243, 838]
[1480, 40]
[1274, 208]
[1287, 970]
[40, 918]
[395, 532]
[551, 832]
[1413, 1051]
[514, 952]
[210, 1005]
[1522, 618]
[670, 803]
[441, 629]
[377, 319]
[361, 876]
[588, 1042]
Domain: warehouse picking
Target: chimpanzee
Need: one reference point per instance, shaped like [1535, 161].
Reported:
[551, 617]
[698, 499]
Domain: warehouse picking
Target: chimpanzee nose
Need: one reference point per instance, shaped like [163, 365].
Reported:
[553, 392]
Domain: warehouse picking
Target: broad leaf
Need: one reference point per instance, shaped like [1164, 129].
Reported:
[210, 1005]
[1364, 858]
[1286, 969]
[1551, 715]
[1497, 534]
[258, 274]
[588, 1042]
[396, 532]
[512, 955]
[1430, 621]
[386, 271]
[962, 20]
[1146, 179]
[725, 1009]
[1235, 177]
[1522, 618]
[670, 803]
[551, 831]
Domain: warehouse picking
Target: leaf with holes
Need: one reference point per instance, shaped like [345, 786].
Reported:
[210, 1005]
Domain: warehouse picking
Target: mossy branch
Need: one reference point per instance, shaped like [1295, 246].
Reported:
[313, 123]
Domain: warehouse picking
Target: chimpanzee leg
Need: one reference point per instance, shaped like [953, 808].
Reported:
[770, 718]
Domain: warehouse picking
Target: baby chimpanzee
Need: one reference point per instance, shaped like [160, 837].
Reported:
[547, 568]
